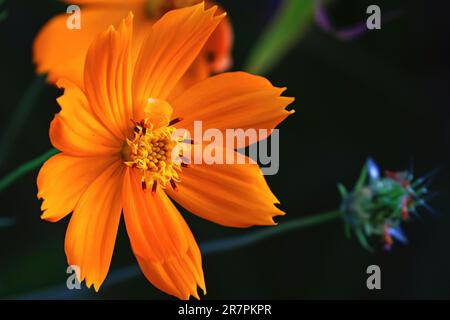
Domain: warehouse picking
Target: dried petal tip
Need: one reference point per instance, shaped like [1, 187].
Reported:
[379, 204]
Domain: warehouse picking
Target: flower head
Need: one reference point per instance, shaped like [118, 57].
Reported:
[61, 52]
[113, 134]
[379, 204]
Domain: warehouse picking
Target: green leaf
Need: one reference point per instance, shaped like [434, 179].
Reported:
[286, 29]
[362, 179]
[363, 240]
[342, 190]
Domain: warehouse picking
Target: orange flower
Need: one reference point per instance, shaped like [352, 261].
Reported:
[108, 163]
[61, 52]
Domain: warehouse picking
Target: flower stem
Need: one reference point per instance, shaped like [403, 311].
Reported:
[6, 222]
[287, 27]
[209, 247]
[25, 168]
[21, 113]
[236, 242]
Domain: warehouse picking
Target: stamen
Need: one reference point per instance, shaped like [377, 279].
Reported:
[175, 121]
[150, 152]
[405, 213]
[174, 185]
[387, 237]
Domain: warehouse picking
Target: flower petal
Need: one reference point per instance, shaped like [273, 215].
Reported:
[161, 240]
[217, 51]
[107, 77]
[63, 179]
[234, 100]
[233, 195]
[106, 2]
[76, 131]
[92, 230]
[61, 52]
[170, 48]
[215, 57]
[158, 111]
[197, 72]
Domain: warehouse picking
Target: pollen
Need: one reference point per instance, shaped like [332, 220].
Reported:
[154, 153]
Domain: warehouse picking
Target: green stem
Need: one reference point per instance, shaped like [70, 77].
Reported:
[20, 115]
[25, 168]
[6, 222]
[209, 247]
[237, 242]
[286, 29]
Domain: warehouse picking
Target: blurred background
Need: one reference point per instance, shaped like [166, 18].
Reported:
[382, 93]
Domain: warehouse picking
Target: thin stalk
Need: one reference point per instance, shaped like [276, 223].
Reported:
[20, 115]
[209, 247]
[25, 168]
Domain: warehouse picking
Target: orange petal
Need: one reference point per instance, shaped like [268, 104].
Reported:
[170, 48]
[161, 240]
[92, 230]
[234, 195]
[217, 51]
[61, 51]
[198, 71]
[107, 77]
[234, 100]
[106, 2]
[158, 112]
[215, 57]
[63, 179]
[76, 131]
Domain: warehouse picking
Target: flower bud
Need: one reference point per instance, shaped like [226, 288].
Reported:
[380, 203]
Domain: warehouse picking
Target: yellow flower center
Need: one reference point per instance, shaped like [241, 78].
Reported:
[154, 153]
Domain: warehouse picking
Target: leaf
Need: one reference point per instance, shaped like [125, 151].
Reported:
[362, 179]
[363, 240]
[342, 190]
[285, 30]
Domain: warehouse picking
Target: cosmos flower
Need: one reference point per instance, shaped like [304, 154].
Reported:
[61, 52]
[379, 204]
[109, 164]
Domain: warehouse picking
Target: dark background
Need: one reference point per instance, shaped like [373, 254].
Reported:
[383, 95]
